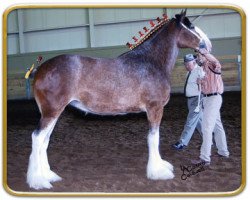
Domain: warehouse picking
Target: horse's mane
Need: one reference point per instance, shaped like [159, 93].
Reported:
[155, 27]
[153, 33]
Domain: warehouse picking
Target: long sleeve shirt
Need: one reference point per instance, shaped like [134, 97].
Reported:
[212, 82]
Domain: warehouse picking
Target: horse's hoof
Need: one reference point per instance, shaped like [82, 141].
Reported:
[168, 165]
[160, 170]
[39, 183]
[52, 176]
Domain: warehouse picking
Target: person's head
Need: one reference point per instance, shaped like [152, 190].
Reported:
[190, 62]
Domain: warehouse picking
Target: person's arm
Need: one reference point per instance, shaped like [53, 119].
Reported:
[214, 61]
[210, 58]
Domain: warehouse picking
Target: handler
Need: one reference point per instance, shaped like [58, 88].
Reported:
[192, 92]
[212, 88]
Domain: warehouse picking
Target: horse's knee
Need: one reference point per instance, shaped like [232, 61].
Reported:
[154, 114]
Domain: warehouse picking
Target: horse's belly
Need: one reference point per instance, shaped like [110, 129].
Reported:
[106, 109]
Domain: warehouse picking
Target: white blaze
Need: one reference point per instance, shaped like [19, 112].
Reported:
[190, 30]
[205, 38]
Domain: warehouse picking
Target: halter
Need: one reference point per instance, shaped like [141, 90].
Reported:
[148, 32]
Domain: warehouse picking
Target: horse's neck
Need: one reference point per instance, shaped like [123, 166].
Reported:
[171, 56]
[160, 50]
[163, 49]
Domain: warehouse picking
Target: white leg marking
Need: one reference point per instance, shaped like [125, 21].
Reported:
[47, 173]
[157, 169]
[39, 173]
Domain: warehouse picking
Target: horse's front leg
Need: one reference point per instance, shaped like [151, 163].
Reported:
[157, 169]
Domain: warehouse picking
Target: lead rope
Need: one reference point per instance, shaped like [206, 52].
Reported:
[197, 109]
[201, 75]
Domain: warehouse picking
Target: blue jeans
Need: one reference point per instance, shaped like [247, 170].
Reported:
[193, 121]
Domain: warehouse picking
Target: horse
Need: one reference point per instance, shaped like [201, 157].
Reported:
[136, 81]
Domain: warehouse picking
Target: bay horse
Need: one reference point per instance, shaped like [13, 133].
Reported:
[136, 81]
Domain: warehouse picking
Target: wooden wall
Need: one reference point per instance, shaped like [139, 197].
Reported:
[52, 29]
[230, 73]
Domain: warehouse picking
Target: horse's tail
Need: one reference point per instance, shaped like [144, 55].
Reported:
[32, 71]
[32, 74]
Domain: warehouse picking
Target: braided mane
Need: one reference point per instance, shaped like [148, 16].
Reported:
[148, 32]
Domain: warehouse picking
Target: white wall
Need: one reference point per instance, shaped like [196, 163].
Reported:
[58, 29]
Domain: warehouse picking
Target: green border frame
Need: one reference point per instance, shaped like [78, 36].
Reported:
[90, 194]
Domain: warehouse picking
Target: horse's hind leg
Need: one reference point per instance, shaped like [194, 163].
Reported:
[47, 173]
[156, 168]
[39, 174]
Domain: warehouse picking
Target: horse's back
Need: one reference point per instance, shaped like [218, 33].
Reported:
[62, 69]
[70, 77]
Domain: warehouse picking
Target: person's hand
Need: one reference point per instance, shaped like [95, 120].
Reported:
[199, 81]
[218, 69]
[203, 51]
[199, 60]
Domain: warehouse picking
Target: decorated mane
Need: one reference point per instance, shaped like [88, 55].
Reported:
[148, 32]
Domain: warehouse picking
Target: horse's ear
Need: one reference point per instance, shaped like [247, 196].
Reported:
[184, 13]
[180, 17]
[188, 23]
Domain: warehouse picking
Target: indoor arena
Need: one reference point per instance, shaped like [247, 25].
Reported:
[89, 151]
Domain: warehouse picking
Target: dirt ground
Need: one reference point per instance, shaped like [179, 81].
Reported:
[109, 154]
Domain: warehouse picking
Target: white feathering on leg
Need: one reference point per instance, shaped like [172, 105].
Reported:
[157, 169]
[39, 174]
[35, 177]
[47, 173]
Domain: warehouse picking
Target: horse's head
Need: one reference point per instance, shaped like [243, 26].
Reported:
[189, 36]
